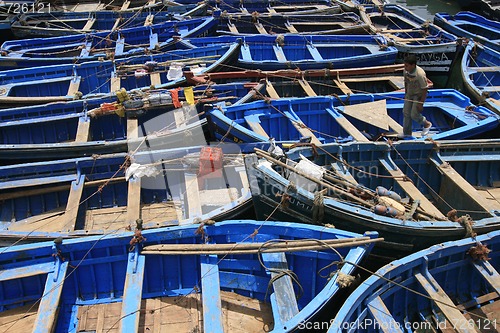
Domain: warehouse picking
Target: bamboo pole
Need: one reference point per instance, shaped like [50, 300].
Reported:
[252, 248]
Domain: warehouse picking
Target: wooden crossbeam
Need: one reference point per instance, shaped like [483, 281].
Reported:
[89, 24]
[232, 28]
[132, 294]
[254, 123]
[291, 28]
[301, 127]
[444, 303]
[125, 5]
[210, 293]
[489, 273]
[260, 28]
[75, 195]
[192, 196]
[83, 130]
[271, 91]
[383, 316]
[132, 128]
[49, 303]
[74, 85]
[155, 79]
[411, 190]
[133, 200]
[307, 88]
[283, 299]
[115, 82]
[342, 86]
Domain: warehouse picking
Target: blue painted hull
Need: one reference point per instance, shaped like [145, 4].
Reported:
[471, 25]
[92, 195]
[306, 51]
[413, 170]
[94, 79]
[408, 288]
[50, 130]
[101, 45]
[49, 24]
[434, 48]
[324, 116]
[481, 76]
[99, 271]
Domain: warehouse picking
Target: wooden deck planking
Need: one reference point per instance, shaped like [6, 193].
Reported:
[192, 196]
[133, 201]
[22, 317]
[180, 314]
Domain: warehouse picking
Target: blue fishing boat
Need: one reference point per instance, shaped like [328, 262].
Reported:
[97, 78]
[296, 83]
[481, 76]
[449, 287]
[165, 118]
[269, 52]
[434, 48]
[471, 25]
[225, 274]
[301, 7]
[412, 192]
[357, 5]
[52, 24]
[100, 45]
[359, 117]
[108, 193]
[117, 5]
[333, 24]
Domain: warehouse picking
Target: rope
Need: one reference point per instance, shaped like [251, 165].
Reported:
[318, 209]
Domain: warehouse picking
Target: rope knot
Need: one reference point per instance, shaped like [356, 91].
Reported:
[479, 252]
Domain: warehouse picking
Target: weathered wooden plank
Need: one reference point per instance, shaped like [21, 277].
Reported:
[314, 52]
[301, 127]
[132, 128]
[132, 295]
[254, 124]
[83, 130]
[283, 299]
[374, 113]
[75, 195]
[210, 293]
[307, 88]
[489, 273]
[291, 28]
[192, 195]
[115, 82]
[485, 69]
[49, 303]
[125, 5]
[455, 181]
[411, 190]
[89, 24]
[133, 200]
[232, 28]
[351, 129]
[278, 51]
[260, 28]
[444, 303]
[74, 85]
[383, 316]
[26, 271]
[155, 79]
[271, 91]
[342, 86]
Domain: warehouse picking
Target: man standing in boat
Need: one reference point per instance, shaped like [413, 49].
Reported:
[415, 95]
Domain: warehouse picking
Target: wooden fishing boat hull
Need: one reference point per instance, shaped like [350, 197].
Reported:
[451, 286]
[101, 45]
[30, 25]
[122, 273]
[481, 76]
[267, 52]
[358, 117]
[440, 181]
[333, 24]
[471, 25]
[98, 78]
[166, 119]
[434, 48]
[98, 194]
